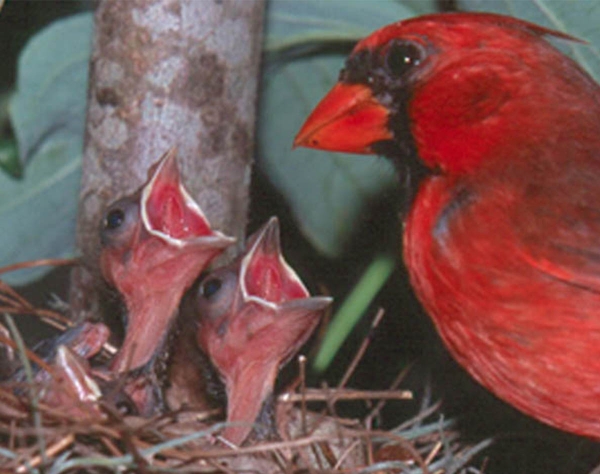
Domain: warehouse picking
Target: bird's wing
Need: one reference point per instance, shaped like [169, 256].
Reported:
[557, 221]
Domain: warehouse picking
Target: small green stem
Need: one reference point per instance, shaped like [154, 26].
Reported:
[353, 308]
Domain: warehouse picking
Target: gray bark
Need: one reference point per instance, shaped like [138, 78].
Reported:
[169, 73]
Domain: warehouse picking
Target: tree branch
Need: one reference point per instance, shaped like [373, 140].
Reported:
[169, 73]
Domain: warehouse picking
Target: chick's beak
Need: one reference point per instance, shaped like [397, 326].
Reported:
[348, 119]
[171, 214]
[265, 276]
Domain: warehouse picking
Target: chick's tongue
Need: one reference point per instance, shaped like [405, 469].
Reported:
[169, 213]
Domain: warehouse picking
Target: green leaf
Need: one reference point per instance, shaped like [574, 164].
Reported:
[48, 117]
[578, 18]
[9, 158]
[49, 103]
[327, 191]
[40, 211]
[292, 23]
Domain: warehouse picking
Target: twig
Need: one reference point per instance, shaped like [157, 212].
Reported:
[10, 291]
[44, 262]
[29, 354]
[362, 349]
[335, 394]
[37, 417]
[433, 453]
[52, 451]
[394, 385]
[261, 448]
[346, 453]
[129, 458]
[460, 459]
[419, 417]
[112, 448]
[302, 364]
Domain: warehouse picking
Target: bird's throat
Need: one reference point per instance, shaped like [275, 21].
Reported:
[149, 320]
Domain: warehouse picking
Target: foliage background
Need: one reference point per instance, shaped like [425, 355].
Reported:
[337, 211]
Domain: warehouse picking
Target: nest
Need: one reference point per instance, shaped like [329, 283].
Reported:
[311, 437]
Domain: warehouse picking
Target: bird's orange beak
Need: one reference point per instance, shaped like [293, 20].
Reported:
[348, 119]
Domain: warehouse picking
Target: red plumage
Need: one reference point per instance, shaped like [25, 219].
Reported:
[501, 241]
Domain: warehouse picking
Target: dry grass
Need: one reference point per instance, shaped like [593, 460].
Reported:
[313, 439]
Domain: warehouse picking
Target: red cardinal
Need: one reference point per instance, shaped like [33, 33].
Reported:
[255, 314]
[154, 245]
[502, 239]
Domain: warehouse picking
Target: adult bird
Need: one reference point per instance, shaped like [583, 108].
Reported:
[253, 316]
[501, 239]
[155, 243]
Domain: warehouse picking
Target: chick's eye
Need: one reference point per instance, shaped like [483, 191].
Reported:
[114, 219]
[211, 287]
[402, 56]
[119, 221]
[216, 294]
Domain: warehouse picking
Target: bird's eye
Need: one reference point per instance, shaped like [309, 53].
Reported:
[211, 287]
[216, 293]
[114, 218]
[119, 221]
[402, 56]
